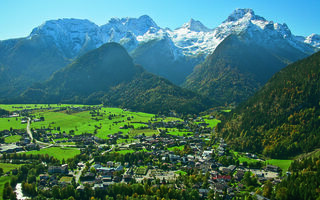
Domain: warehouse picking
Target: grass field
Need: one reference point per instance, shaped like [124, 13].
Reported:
[3, 181]
[212, 122]
[57, 152]
[181, 172]
[12, 139]
[246, 159]
[147, 132]
[283, 164]
[141, 170]
[7, 123]
[83, 122]
[174, 131]
[125, 151]
[65, 179]
[177, 147]
[8, 167]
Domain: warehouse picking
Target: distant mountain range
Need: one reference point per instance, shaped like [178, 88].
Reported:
[172, 54]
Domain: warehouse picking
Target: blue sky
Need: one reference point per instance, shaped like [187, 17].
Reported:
[19, 17]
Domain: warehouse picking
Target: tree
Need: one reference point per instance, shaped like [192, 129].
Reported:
[267, 189]
[247, 178]
[56, 192]
[282, 193]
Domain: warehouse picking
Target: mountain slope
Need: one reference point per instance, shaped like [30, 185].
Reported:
[282, 119]
[26, 61]
[107, 75]
[240, 66]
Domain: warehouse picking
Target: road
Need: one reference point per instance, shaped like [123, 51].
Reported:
[29, 131]
[77, 176]
[43, 143]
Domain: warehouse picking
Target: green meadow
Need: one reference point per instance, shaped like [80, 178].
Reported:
[12, 139]
[178, 147]
[8, 167]
[109, 121]
[14, 123]
[283, 164]
[57, 152]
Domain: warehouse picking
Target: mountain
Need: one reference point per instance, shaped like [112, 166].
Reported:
[282, 119]
[240, 65]
[108, 75]
[172, 64]
[56, 43]
[206, 41]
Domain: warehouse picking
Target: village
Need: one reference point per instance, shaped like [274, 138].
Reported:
[161, 158]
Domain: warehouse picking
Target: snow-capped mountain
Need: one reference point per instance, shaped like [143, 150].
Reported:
[73, 36]
[313, 39]
[192, 41]
[69, 35]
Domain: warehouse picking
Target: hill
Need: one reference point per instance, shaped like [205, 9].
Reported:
[107, 75]
[282, 119]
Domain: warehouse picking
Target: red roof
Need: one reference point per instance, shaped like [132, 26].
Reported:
[225, 177]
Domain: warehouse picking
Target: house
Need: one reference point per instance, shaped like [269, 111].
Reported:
[44, 177]
[80, 188]
[89, 176]
[63, 169]
[107, 179]
[272, 168]
[98, 186]
[232, 168]
[127, 178]
[109, 164]
[203, 193]
[220, 186]
[239, 175]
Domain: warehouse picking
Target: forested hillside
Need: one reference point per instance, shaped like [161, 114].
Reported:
[283, 118]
